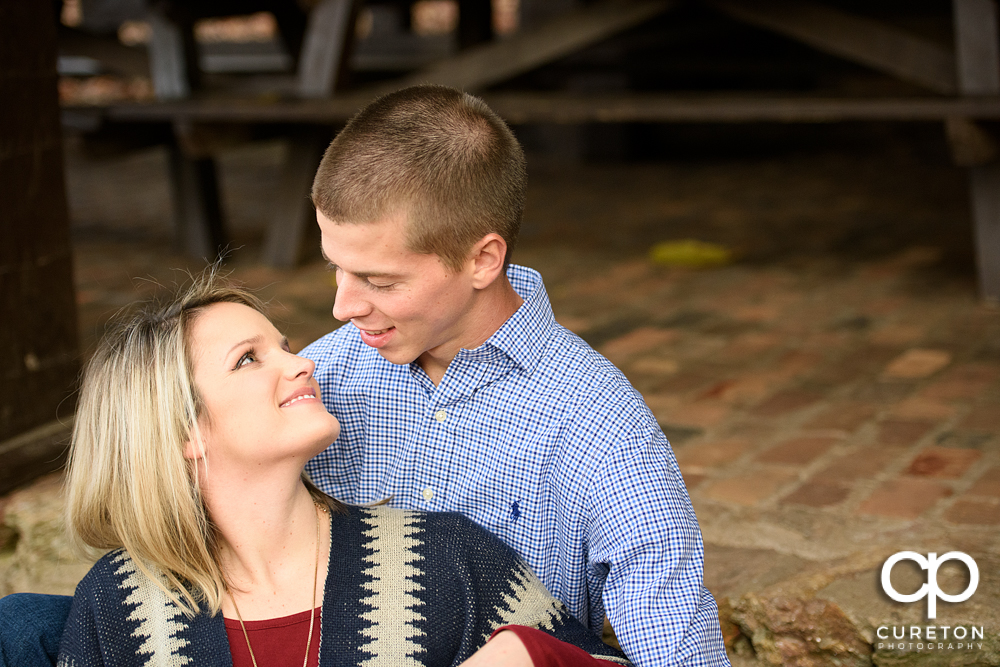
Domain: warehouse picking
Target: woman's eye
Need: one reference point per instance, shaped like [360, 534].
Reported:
[247, 358]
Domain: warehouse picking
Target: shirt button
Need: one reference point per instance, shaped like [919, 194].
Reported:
[428, 494]
[440, 415]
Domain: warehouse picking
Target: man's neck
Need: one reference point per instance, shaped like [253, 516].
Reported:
[497, 304]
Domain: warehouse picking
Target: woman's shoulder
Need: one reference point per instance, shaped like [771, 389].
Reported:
[107, 572]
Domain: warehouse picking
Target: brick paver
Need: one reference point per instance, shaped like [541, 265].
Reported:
[917, 363]
[906, 498]
[798, 451]
[847, 416]
[943, 462]
[974, 512]
[987, 485]
[902, 432]
[749, 488]
[817, 494]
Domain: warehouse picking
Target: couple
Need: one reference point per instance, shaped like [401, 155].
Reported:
[456, 390]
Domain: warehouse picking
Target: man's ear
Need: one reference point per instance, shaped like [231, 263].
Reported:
[487, 260]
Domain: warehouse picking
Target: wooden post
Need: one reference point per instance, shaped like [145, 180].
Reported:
[197, 211]
[173, 61]
[328, 41]
[475, 22]
[39, 351]
[978, 61]
[172, 56]
[329, 33]
[288, 236]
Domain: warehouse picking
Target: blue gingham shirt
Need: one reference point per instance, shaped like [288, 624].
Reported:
[541, 440]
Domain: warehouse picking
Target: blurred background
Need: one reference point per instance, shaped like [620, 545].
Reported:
[781, 220]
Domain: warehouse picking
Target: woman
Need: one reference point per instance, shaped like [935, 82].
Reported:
[193, 428]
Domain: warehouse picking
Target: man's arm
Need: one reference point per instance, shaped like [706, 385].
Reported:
[643, 530]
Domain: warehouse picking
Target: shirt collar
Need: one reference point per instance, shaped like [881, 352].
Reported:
[524, 335]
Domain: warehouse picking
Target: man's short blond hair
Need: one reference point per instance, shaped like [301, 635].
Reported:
[440, 155]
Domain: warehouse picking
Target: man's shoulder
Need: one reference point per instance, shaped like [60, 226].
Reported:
[573, 364]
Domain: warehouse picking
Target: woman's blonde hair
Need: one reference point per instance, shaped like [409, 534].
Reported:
[129, 485]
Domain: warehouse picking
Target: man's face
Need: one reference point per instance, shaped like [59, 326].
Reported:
[407, 305]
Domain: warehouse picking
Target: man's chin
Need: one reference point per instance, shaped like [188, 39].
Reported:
[396, 357]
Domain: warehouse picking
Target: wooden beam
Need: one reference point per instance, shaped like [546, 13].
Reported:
[492, 63]
[567, 108]
[978, 68]
[525, 108]
[858, 39]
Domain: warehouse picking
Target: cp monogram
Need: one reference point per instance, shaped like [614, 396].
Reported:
[930, 589]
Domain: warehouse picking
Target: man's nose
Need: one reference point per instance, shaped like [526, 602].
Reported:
[350, 301]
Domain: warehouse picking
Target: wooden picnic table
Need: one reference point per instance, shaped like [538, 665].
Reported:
[962, 84]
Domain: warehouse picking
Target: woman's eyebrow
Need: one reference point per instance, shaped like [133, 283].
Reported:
[253, 340]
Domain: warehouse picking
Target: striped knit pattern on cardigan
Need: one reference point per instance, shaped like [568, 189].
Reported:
[403, 588]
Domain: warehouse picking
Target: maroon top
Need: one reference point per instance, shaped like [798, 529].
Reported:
[276, 642]
[281, 642]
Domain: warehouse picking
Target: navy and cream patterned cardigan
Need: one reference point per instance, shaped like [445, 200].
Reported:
[403, 588]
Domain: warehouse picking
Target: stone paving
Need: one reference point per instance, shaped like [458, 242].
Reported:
[832, 396]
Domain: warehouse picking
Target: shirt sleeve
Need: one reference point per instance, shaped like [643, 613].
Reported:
[644, 534]
[547, 651]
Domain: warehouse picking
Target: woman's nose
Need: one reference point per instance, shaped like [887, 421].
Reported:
[299, 366]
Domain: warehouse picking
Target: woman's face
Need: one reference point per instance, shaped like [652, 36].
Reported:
[261, 404]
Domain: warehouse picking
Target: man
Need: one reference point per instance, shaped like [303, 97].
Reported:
[458, 391]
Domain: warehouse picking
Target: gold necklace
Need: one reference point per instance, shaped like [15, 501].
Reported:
[312, 610]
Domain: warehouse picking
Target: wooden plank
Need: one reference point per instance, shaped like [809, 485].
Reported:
[859, 39]
[328, 36]
[978, 70]
[566, 108]
[482, 66]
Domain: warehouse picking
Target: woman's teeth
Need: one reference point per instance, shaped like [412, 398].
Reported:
[296, 399]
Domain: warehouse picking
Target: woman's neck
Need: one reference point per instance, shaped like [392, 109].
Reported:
[268, 550]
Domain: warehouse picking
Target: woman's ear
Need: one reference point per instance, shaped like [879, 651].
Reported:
[194, 448]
